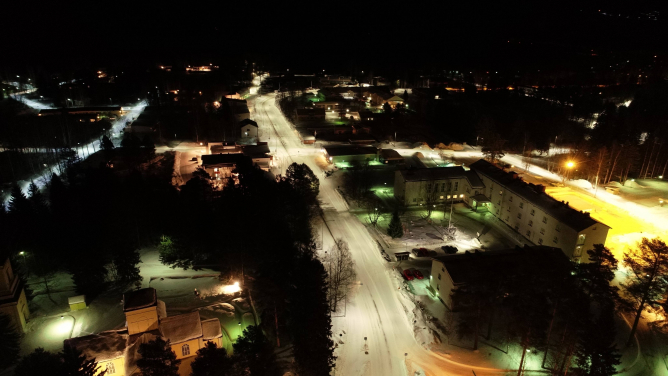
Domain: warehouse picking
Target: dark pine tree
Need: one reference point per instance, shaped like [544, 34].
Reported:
[39, 362]
[76, 364]
[254, 354]
[396, 229]
[310, 322]
[107, 145]
[158, 359]
[212, 360]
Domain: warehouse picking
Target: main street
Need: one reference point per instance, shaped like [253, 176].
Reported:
[374, 311]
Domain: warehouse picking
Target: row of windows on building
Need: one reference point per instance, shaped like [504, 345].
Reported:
[185, 350]
[420, 199]
[443, 186]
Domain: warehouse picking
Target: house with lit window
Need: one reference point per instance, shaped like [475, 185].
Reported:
[13, 302]
[117, 351]
[248, 131]
[539, 218]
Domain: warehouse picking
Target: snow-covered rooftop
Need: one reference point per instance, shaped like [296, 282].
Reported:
[211, 329]
[182, 327]
[138, 299]
[104, 346]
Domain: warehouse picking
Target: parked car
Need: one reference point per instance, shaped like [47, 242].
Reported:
[420, 252]
[386, 256]
[417, 274]
[449, 250]
[408, 275]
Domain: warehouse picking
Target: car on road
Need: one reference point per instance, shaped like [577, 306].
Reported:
[386, 256]
[408, 275]
[417, 274]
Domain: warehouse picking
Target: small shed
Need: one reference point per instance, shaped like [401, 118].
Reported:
[77, 302]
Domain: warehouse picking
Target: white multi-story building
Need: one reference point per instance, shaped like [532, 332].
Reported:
[524, 207]
[537, 216]
[423, 186]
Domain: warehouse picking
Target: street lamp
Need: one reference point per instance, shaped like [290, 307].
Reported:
[570, 164]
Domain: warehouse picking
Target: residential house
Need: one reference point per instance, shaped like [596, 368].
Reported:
[13, 302]
[249, 131]
[116, 351]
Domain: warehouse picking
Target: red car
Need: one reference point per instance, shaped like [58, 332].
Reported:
[417, 274]
[407, 274]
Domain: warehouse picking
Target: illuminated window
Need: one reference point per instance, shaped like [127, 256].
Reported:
[449, 197]
[110, 368]
[441, 197]
[215, 169]
[578, 251]
[500, 192]
[185, 350]
[544, 219]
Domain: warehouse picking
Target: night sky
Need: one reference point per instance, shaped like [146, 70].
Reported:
[336, 35]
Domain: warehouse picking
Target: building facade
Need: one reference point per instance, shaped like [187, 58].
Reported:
[424, 186]
[117, 351]
[524, 207]
[536, 216]
[13, 302]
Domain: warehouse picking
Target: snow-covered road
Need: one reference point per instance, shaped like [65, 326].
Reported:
[374, 311]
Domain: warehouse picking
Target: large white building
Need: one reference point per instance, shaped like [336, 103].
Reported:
[537, 216]
[524, 207]
[422, 186]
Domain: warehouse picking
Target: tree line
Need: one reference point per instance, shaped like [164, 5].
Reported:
[91, 222]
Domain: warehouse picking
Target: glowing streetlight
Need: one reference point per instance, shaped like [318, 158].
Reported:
[570, 164]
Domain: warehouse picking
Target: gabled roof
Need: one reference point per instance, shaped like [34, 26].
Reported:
[211, 329]
[133, 300]
[182, 327]
[103, 346]
[535, 194]
[245, 122]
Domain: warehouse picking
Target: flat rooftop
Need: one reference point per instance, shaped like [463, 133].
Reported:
[442, 173]
[341, 150]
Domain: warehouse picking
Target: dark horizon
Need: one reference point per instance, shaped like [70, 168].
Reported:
[339, 38]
